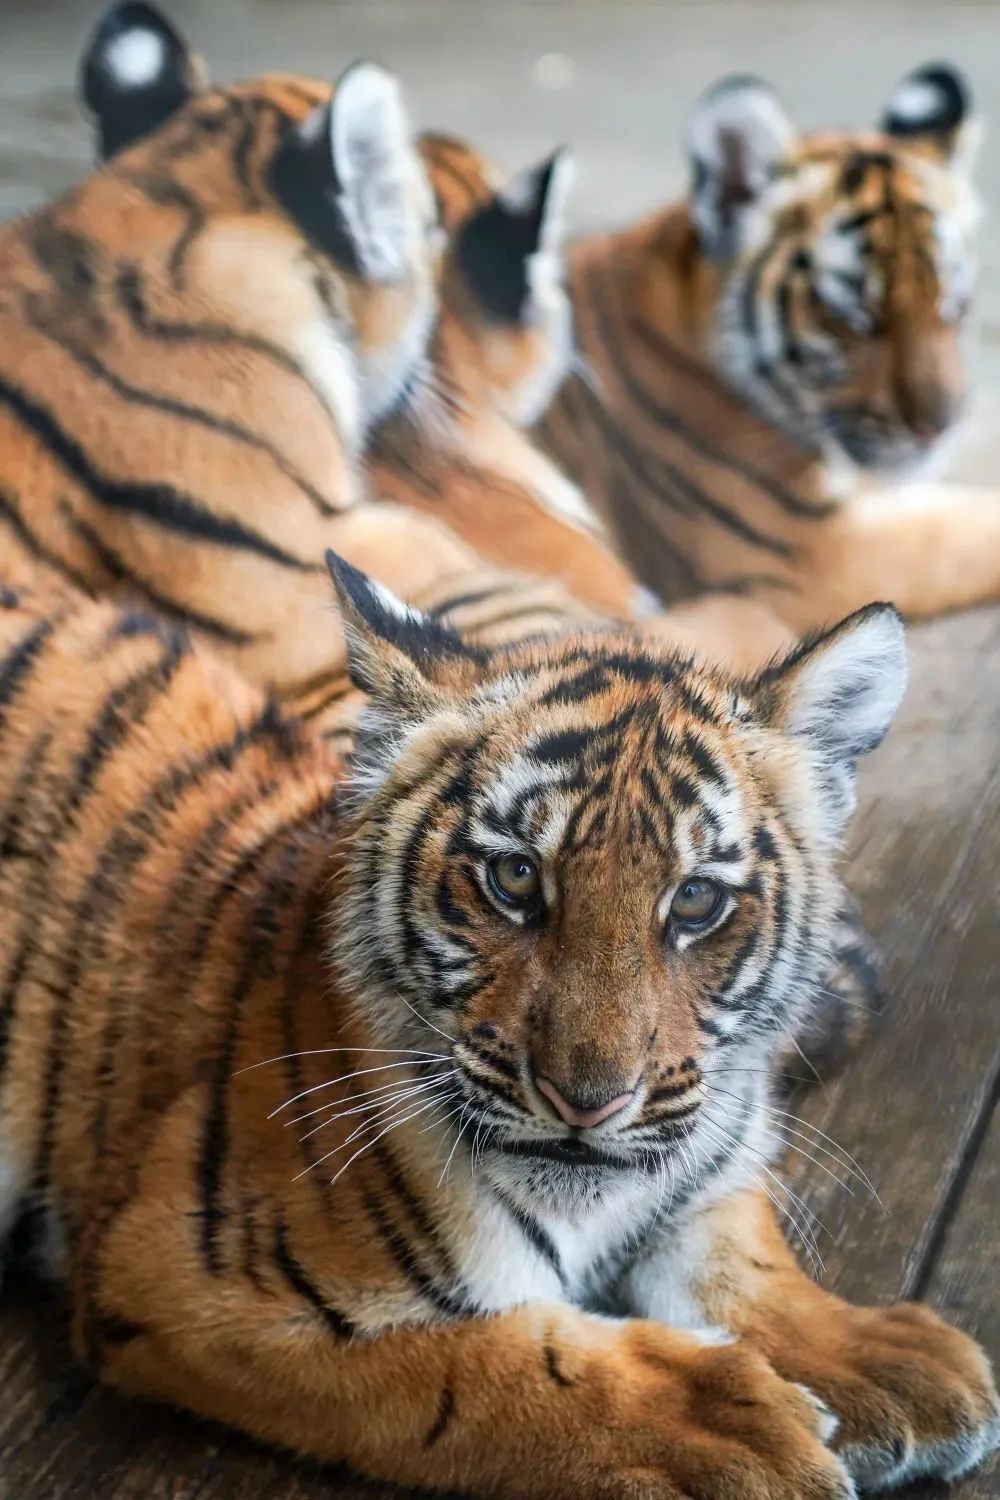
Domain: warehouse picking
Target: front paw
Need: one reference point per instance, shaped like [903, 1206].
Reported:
[738, 1432]
[915, 1397]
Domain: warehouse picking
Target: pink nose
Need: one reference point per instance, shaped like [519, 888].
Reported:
[572, 1114]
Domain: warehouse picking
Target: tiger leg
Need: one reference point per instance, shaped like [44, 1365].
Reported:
[541, 1403]
[930, 548]
[911, 1395]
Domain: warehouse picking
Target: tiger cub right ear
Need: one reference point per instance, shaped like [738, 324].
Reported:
[738, 136]
[350, 177]
[135, 73]
[510, 249]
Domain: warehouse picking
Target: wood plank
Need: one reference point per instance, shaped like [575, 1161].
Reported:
[963, 1283]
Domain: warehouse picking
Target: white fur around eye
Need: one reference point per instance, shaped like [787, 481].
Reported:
[135, 58]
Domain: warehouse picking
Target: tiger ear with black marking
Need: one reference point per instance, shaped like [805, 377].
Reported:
[509, 251]
[932, 108]
[390, 645]
[838, 694]
[738, 136]
[135, 73]
[347, 175]
[394, 654]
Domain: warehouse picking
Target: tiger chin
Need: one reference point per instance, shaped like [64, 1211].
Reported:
[409, 1113]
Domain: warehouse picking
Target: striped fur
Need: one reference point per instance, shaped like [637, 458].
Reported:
[193, 345]
[404, 1270]
[765, 358]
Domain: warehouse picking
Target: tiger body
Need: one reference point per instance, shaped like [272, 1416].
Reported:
[187, 375]
[195, 361]
[763, 358]
[403, 1278]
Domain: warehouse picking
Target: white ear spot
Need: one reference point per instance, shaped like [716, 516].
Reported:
[916, 100]
[135, 58]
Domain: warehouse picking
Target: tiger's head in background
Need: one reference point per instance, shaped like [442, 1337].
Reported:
[839, 266]
[605, 876]
[504, 336]
[301, 210]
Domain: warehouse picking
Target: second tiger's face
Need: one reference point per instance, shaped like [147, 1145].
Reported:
[596, 880]
[843, 317]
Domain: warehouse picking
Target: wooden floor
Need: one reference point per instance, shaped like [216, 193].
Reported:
[917, 1110]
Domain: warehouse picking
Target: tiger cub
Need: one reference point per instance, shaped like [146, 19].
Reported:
[769, 355]
[195, 342]
[432, 1084]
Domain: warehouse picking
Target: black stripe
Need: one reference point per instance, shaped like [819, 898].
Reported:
[159, 503]
[263, 929]
[170, 406]
[17, 664]
[537, 1237]
[553, 1368]
[169, 193]
[406, 1262]
[27, 538]
[446, 1410]
[293, 1272]
[124, 708]
[180, 614]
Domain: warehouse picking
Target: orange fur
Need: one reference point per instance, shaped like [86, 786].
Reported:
[174, 849]
[718, 388]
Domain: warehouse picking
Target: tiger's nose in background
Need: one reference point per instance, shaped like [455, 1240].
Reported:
[585, 1112]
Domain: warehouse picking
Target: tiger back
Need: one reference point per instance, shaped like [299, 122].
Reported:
[769, 357]
[195, 342]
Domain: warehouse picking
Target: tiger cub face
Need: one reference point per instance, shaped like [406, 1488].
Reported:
[844, 264]
[307, 209]
[598, 877]
[504, 338]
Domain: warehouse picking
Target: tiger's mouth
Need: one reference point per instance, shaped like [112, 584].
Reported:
[567, 1151]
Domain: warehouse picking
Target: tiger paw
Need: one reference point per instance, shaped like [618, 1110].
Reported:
[740, 1432]
[915, 1397]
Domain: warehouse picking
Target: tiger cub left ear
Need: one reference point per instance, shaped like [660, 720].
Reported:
[932, 108]
[509, 251]
[837, 694]
[136, 72]
[738, 137]
[392, 648]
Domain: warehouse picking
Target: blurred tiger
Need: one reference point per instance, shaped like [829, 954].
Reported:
[763, 353]
[195, 342]
[521, 973]
[500, 346]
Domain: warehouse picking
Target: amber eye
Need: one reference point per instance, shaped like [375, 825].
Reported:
[515, 880]
[696, 902]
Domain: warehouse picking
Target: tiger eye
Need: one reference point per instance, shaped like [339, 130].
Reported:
[515, 879]
[696, 901]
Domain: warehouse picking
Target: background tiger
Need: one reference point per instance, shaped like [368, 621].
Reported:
[194, 342]
[169, 843]
[764, 352]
